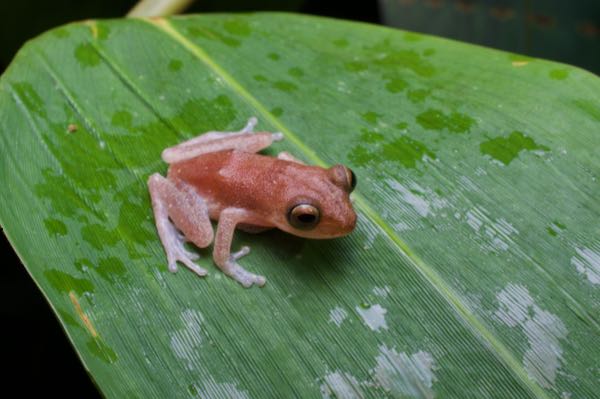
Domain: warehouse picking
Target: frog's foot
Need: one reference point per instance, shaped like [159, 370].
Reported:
[175, 249]
[238, 273]
[166, 203]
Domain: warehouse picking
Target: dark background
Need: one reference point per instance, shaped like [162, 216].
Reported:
[561, 30]
[36, 354]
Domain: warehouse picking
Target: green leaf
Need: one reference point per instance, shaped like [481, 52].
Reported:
[475, 267]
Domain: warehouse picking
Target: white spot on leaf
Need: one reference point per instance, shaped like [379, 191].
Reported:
[371, 236]
[186, 341]
[543, 330]
[495, 233]
[381, 292]
[402, 226]
[418, 203]
[211, 389]
[468, 183]
[503, 227]
[421, 200]
[399, 374]
[341, 385]
[373, 316]
[405, 375]
[499, 244]
[342, 87]
[480, 171]
[337, 316]
[587, 262]
[474, 219]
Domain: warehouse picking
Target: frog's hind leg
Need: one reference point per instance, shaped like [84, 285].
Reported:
[211, 136]
[244, 140]
[188, 213]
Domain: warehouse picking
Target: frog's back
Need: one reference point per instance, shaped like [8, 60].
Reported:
[222, 168]
[238, 179]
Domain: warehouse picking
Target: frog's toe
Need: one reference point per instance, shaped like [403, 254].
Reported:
[172, 266]
[190, 255]
[251, 279]
[250, 125]
[259, 280]
[245, 250]
[243, 276]
[187, 258]
[200, 271]
[193, 267]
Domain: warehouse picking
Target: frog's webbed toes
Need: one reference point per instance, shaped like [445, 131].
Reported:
[176, 252]
[165, 200]
[243, 276]
[238, 273]
[179, 253]
[191, 255]
[194, 267]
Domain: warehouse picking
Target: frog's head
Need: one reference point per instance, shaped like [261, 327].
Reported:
[323, 208]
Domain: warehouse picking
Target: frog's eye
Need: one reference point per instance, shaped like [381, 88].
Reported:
[304, 216]
[351, 178]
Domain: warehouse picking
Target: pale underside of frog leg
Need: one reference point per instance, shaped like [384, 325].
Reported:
[244, 140]
[286, 156]
[227, 261]
[180, 208]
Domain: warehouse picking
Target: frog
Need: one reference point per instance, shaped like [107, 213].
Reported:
[221, 176]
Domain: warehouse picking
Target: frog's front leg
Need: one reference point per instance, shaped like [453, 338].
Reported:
[178, 203]
[245, 140]
[227, 261]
